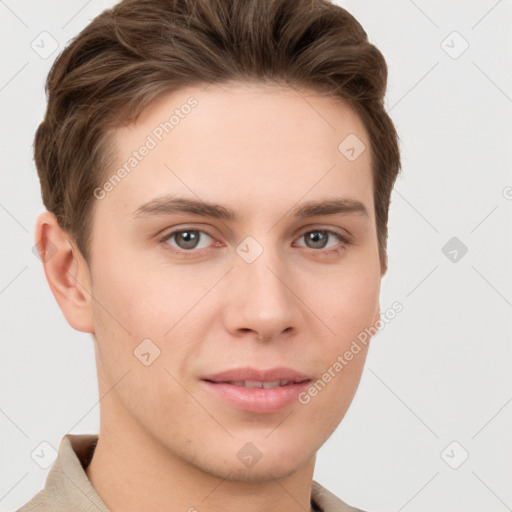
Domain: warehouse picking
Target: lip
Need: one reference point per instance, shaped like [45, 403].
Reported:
[255, 374]
[257, 400]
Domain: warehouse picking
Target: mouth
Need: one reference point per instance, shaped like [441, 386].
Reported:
[261, 395]
[253, 384]
[252, 376]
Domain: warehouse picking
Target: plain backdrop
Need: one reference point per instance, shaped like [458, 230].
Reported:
[429, 428]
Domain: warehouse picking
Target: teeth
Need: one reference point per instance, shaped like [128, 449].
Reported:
[253, 384]
[273, 384]
[259, 384]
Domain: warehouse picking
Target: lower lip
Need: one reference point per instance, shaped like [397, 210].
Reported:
[259, 400]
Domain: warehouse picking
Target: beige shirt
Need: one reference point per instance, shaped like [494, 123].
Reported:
[68, 488]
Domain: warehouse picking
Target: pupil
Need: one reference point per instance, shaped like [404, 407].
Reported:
[189, 239]
[314, 236]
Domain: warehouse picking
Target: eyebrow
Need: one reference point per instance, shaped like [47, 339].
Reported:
[171, 204]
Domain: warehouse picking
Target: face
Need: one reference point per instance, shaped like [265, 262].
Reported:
[183, 292]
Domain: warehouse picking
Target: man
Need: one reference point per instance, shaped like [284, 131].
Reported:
[217, 176]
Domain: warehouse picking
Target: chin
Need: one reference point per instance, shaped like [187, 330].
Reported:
[259, 473]
[269, 467]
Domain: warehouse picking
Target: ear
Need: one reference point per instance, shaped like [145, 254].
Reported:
[66, 271]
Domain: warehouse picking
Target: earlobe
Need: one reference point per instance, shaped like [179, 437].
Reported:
[66, 271]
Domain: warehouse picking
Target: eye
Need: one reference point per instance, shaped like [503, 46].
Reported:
[318, 238]
[188, 239]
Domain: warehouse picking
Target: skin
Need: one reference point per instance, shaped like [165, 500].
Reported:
[165, 442]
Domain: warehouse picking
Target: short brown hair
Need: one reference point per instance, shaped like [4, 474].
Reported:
[140, 49]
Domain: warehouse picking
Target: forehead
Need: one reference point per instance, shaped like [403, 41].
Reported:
[240, 143]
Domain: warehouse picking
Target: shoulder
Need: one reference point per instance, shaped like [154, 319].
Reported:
[38, 503]
[67, 486]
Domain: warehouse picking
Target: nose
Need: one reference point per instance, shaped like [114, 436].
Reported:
[260, 299]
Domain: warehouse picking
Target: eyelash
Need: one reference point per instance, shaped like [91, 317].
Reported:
[192, 253]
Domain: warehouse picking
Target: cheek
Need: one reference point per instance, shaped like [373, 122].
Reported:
[134, 309]
[348, 306]
[349, 302]
[136, 302]
[139, 298]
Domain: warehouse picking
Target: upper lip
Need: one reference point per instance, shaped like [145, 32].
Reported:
[248, 373]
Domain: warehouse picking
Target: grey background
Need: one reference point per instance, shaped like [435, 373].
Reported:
[438, 373]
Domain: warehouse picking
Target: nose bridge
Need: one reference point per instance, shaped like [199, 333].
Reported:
[261, 296]
[264, 275]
